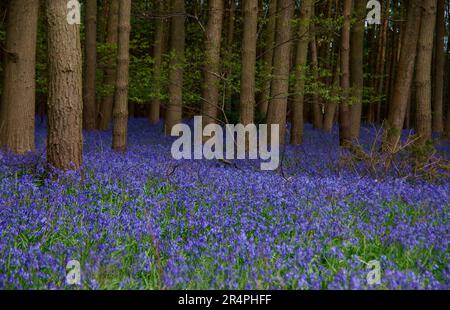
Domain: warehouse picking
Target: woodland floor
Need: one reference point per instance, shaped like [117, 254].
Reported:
[144, 220]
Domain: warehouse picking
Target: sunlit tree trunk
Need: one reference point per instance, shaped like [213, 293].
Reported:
[65, 99]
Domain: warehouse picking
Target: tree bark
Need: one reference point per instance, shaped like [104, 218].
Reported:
[120, 112]
[357, 69]
[210, 96]
[174, 109]
[344, 110]
[280, 83]
[300, 63]
[229, 53]
[65, 99]
[268, 57]
[423, 71]
[438, 101]
[155, 105]
[17, 114]
[404, 77]
[247, 104]
[107, 102]
[89, 102]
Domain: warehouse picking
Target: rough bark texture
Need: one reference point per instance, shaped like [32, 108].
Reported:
[423, 70]
[120, 111]
[89, 103]
[18, 97]
[357, 70]
[106, 106]
[276, 113]
[438, 100]
[300, 62]
[404, 77]
[247, 104]
[177, 42]
[155, 105]
[344, 109]
[212, 67]
[268, 57]
[65, 99]
[229, 52]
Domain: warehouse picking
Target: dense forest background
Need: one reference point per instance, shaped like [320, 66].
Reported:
[278, 62]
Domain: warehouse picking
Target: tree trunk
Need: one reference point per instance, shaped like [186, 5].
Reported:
[357, 69]
[404, 77]
[229, 53]
[174, 111]
[438, 101]
[344, 113]
[277, 110]
[247, 104]
[155, 105]
[268, 57]
[423, 71]
[17, 114]
[106, 105]
[89, 103]
[300, 63]
[317, 106]
[65, 98]
[210, 96]
[120, 127]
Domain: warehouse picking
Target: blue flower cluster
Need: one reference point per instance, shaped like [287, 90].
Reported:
[142, 220]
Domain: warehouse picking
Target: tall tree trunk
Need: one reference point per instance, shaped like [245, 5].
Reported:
[155, 105]
[106, 105]
[404, 77]
[212, 67]
[268, 57]
[438, 101]
[174, 111]
[247, 104]
[357, 67]
[89, 103]
[277, 110]
[300, 63]
[229, 52]
[423, 71]
[344, 110]
[65, 98]
[120, 127]
[18, 98]
[447, 121]
[316, 104]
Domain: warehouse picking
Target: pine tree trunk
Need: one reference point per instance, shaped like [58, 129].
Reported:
[106, 106]
[300, 63]
[210, 96]
[344, 109]
[357, 70]
[17, 114]
[268, 57]
[404, 77]
[423, 71]
[277, 110]
[174, 111]
[155, 105]
[89, 102]
[247, 103]
[438, 101]
[65, 98]
[120, 111]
